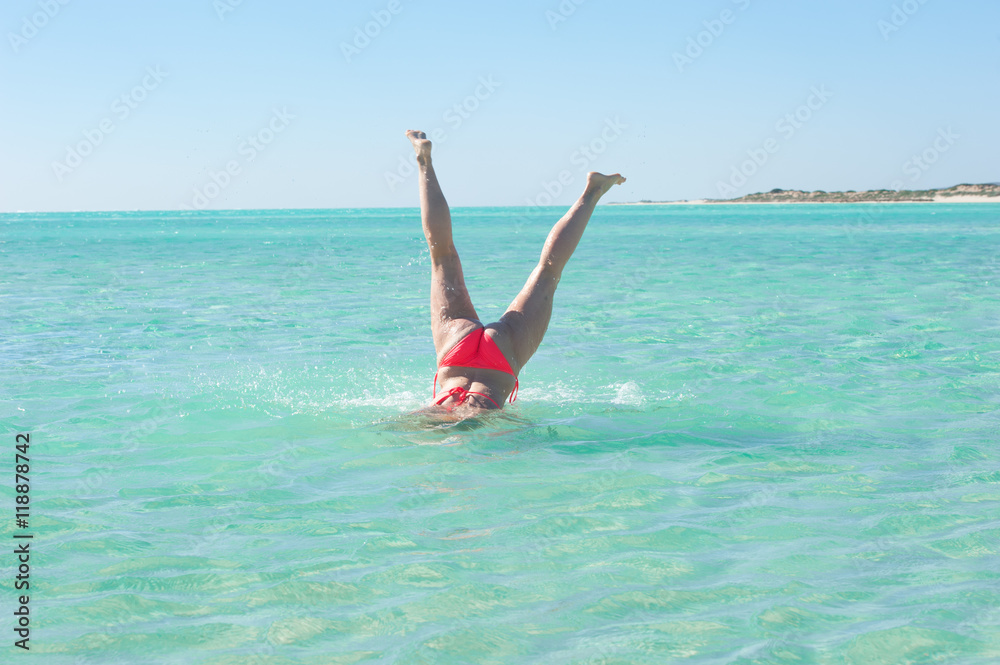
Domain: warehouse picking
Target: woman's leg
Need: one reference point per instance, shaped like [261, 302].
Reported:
[452, 313]
[527, 318]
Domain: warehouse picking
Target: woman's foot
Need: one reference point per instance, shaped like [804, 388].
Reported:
[598, 184]
[421, 145]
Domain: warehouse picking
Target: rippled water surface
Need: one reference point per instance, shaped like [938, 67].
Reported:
[753, 434]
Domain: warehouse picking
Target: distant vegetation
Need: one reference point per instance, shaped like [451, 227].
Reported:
[985, 192]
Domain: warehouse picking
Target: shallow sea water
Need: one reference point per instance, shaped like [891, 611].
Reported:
[753, 434]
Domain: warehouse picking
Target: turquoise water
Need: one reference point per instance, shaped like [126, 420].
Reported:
[755, 434]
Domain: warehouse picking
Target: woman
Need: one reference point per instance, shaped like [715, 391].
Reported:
[478, 365]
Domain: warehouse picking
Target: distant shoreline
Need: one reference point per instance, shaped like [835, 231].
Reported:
[957, 194]
[713, 202]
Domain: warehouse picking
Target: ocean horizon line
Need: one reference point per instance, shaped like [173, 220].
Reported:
[698, 203]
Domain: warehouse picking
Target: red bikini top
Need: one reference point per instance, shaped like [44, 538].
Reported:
[478, 351]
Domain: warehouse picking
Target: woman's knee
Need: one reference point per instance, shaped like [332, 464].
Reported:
[548, 272]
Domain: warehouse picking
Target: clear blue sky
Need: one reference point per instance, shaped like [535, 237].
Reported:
[607, 77]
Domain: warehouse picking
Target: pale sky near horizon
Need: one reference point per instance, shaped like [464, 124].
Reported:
[121, 105]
